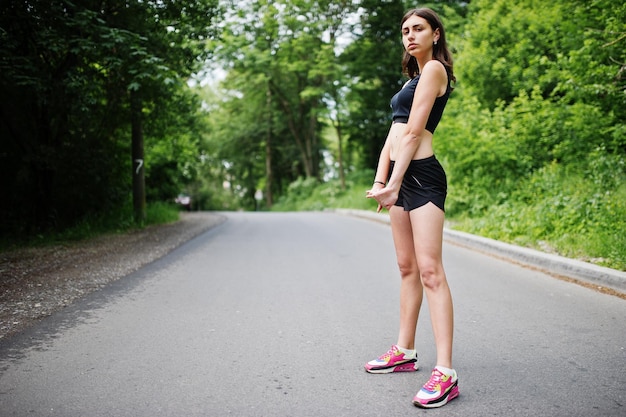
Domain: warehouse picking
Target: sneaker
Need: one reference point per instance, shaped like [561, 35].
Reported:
[392, 361]
[439, 389]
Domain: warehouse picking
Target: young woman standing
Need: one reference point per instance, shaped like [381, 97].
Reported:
[411, 184]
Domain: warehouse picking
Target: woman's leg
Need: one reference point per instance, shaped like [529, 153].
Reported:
[411, 292]
[427, 226]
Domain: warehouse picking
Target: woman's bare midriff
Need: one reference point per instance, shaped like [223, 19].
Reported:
[424, 150]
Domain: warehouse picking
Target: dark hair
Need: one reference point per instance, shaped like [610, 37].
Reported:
[440, 50]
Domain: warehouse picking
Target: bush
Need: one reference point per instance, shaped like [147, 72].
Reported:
[309, 194]
[561, 211]
[115, 221]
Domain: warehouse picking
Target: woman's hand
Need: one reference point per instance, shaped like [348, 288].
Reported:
[370, 193]
[385, 196]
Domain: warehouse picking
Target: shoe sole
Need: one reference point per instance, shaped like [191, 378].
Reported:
[403, 367]
[440, 402]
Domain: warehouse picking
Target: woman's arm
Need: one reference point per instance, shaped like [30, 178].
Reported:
[433, 82]
[382, 172]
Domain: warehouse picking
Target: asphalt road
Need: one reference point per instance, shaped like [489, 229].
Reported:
[274, 314]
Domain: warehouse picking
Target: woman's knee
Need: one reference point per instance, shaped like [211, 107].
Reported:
[432, 274]
[408, 267]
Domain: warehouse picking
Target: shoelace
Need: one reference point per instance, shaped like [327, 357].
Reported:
[434, 380]
[391, 352]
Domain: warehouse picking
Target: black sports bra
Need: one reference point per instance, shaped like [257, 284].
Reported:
[403, 100]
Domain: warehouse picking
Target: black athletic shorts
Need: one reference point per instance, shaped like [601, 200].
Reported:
[424, 182]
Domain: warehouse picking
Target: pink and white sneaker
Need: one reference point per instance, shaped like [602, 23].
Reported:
[438, 391]
[392, 361]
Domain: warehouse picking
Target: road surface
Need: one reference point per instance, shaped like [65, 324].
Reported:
[274, 314]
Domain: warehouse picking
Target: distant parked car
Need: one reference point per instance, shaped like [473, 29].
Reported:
[184, 200]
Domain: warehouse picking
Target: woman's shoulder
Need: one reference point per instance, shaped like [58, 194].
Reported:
[434, 65]
[435, 71]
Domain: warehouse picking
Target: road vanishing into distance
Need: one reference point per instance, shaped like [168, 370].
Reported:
[275, 314]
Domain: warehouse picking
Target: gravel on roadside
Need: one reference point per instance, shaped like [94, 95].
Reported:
[36, 282]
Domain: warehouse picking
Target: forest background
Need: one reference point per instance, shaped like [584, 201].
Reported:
[109, 110]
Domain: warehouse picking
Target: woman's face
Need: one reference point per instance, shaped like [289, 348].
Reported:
[418, 36]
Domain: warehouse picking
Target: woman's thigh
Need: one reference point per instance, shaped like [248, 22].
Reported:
[427, 230]
[402, 237]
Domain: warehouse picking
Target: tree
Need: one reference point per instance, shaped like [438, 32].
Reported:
[67, 76]
[594, 68]
[517, 56]
[167, 45]
[58, 159]
[332, 72]
[282, 74]
[373, 61]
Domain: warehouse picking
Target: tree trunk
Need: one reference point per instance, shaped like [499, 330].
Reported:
[268, 152]
[342, 175]
[139, 185]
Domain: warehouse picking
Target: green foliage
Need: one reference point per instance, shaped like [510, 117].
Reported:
[174, 149]
[562, 212]
[277, 89]
[593, 71]
[533, 139]
[120, 220]
[308, 194]
[513, 47]
[303, 194]
[161, 213]
[373, 60]
[66, 73]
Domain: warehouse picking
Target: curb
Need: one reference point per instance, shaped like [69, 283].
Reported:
[560, 266]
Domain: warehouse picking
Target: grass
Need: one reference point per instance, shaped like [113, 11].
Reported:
[554, 212]
[120, 221]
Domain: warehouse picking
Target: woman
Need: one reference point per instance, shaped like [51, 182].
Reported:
[411, 184]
